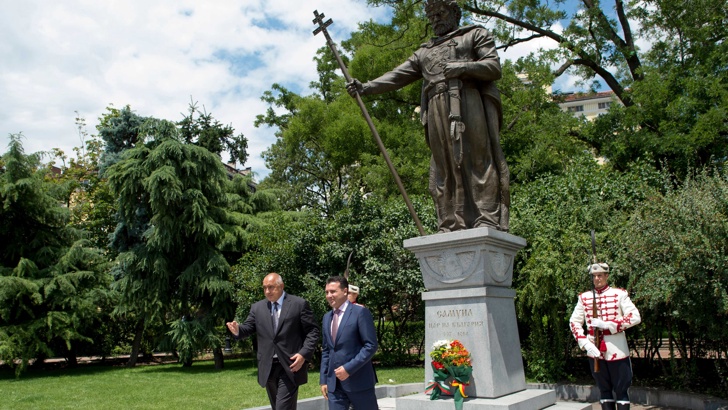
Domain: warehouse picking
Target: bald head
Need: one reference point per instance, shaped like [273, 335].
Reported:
[273, 286]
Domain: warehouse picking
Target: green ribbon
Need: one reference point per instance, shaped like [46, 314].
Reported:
[460, 378]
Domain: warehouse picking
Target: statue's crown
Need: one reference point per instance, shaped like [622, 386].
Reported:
[430, 4]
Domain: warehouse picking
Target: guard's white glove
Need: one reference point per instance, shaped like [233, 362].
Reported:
[599, 324]
[592, 350]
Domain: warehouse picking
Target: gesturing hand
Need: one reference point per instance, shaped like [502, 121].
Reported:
[233, 327]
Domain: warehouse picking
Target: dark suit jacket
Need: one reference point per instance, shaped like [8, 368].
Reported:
[297, 333]
[354, 347]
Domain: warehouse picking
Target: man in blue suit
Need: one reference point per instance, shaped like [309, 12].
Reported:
[349, 343]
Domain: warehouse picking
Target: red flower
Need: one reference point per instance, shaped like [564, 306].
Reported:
[438, 365]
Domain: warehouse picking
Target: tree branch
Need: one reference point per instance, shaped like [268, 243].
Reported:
[582, 59]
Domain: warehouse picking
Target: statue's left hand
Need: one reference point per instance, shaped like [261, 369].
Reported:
[454, 69]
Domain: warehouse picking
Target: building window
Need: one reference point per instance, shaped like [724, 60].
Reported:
[576, 108]
[604, 105]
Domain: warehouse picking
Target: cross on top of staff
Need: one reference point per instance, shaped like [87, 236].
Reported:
[321, 24]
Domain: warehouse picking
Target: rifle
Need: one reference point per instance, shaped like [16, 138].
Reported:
[595, 311]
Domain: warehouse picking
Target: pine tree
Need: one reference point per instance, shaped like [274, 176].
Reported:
[52, 281]
[176, 273]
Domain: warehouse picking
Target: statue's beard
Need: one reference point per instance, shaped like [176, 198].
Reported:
[444, 27]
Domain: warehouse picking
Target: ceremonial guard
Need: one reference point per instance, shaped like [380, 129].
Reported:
[608, 312]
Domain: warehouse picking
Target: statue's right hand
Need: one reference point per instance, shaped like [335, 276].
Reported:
[354, 87]
[233, 327]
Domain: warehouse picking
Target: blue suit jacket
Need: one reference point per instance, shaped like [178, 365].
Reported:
[354, 347]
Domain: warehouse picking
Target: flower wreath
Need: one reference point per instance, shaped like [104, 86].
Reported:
[451, 369]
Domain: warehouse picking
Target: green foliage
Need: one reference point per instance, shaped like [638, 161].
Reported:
[555, 214]
[176, 272]
[401, 344]
[200, 128]
[306, 249]
[53, 283]
[324, 146]
[674, 93]
[673, 252]
[537, 136]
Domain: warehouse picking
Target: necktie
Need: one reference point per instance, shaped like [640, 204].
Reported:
[335, 324]
[275, 315]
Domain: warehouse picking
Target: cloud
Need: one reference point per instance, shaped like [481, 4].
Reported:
[81, 55]
[59, 58]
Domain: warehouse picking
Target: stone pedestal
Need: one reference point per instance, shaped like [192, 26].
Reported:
[484, 320]
[468, 275]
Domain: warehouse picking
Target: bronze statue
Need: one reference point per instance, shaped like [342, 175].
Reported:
[461, 112]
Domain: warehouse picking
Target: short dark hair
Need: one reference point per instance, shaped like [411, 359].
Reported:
[343, 283]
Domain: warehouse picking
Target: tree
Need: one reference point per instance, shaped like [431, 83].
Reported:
[178, 272]
[182, 219]
[92, 210]
[538, 138]
[324, 146]
[555, 214]
[680, 116]
[200, 128]
[306, 248]
[82, 189]
[53, 282]
[673, 253]
[674, 93]
[120, 131]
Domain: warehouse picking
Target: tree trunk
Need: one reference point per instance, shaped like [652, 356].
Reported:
[219, 358]
[71, 357]
[138, 333]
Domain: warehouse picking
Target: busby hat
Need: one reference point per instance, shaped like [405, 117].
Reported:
[598, 268]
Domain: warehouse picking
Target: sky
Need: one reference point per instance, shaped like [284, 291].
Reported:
[63, 59]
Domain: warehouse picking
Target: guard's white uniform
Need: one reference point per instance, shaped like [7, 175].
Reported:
[617, 310]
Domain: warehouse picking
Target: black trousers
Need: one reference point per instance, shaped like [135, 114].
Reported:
[282, 391]
[614, 376]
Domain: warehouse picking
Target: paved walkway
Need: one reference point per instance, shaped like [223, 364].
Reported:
[388, 403]
[579, 398]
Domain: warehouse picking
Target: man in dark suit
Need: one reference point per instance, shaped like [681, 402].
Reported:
[349, 343]
[287, 336]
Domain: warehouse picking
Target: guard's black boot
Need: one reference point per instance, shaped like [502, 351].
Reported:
[609, 405]
[622, 406]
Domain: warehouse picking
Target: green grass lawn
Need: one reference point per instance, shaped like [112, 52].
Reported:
[168, 386]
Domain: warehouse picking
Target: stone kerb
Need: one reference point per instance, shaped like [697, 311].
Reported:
[465, 259]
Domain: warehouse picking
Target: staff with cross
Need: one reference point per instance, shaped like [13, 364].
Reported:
[319, 20]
